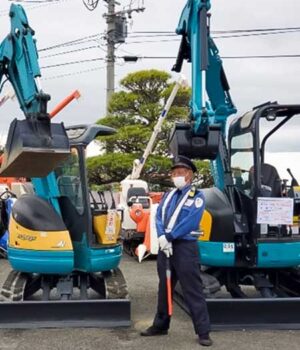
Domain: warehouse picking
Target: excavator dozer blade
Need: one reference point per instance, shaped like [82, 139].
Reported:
[34, 148]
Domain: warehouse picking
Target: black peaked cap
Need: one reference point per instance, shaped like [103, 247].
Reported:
[185, 162]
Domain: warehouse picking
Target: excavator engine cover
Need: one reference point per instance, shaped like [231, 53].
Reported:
[34, 148]
[184, 142]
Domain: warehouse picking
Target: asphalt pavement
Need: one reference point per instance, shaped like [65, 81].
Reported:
[142, 282]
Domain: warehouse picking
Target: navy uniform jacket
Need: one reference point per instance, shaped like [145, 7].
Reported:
[189, 217]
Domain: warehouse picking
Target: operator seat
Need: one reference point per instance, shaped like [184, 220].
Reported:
[270, 180]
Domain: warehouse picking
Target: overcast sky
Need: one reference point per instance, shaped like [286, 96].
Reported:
[252, 81]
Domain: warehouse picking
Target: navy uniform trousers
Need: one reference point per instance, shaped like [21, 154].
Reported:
[184, 268]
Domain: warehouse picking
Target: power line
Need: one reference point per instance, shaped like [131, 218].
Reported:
[71, 51]
[34, 1]
[256, 34]
[261, 56]
[133, 35]
[155, 57]
[169, 34]
[72, 42]
[172, 57]
[94, 37]
[224, 31]
[40, 5]
[214, 37]
[254, 30]
[153, 41]
[228, 57]
[73, 62]
[74, 73]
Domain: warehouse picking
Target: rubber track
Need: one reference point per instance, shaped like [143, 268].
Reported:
[115, 285]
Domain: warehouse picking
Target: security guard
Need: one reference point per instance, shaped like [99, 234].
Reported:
[178, 214]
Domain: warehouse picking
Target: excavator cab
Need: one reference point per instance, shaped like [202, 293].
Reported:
[93, 229]
[256, 140]
[235, 232]
[64, 241]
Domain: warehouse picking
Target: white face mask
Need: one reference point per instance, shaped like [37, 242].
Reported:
[179, 181]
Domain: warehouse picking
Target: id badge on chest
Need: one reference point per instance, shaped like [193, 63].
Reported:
[189, 202]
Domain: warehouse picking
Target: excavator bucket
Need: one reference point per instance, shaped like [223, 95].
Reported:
[184, 142]
[34, 148]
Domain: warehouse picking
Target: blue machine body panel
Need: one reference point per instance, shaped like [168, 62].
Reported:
[214, 254]
[270, 255]
[278, 254]
[45, 262]
[95, 259]
[105, 259]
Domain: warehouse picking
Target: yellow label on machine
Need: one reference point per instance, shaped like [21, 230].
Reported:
[23, 238]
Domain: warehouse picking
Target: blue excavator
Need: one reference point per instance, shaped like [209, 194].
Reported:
[238, 245]
[64, 245]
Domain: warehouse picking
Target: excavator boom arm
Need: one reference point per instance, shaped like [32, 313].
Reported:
[203, 136]
[34, 139]
[19, 61]
[208, 76]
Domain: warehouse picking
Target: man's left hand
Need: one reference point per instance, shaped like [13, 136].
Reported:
[165, 245]
[163, 242]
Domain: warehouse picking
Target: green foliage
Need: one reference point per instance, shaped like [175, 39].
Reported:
[148, 85]
[134, 111]
[109, 168]
[203, 177]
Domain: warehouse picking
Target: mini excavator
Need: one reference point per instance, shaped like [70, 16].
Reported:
[64, 248]
[236, 247]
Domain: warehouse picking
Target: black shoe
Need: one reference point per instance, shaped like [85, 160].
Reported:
[152, 331]
[205, 340]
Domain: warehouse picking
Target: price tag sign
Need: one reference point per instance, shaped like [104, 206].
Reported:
[228, 247]
[110, 224]
[275, 211]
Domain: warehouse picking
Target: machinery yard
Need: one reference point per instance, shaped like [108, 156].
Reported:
[142, 282]
[79, 242]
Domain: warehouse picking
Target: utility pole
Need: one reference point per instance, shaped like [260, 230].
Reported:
[110, 67]
[116, 34]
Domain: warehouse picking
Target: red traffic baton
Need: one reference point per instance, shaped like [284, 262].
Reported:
[169, 287]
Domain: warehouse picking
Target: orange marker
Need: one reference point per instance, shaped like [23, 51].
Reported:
[169, 287]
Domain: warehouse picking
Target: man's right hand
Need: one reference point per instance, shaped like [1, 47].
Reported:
[165, 245]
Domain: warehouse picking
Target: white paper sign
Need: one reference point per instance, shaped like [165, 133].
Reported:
[110, 224]
[275, 211]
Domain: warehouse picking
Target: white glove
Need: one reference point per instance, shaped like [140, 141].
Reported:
[163, 242]
[165, 245]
